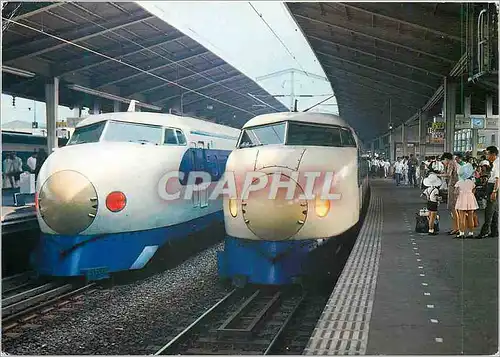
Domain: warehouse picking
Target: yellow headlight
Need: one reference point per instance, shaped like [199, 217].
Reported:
[322, 207]
[233, 207]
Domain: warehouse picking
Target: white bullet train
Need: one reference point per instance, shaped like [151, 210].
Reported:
[270, 237]
[100, 199]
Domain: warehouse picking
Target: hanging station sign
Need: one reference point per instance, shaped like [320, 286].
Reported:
[436, 132]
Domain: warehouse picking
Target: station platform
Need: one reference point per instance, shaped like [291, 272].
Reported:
[404, 293]
[17, 218]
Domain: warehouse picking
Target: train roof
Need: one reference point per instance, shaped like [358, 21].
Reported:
[163, 119]
[316, 118]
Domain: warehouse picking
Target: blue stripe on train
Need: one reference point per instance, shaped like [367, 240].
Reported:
[265, 262]
[56, 255]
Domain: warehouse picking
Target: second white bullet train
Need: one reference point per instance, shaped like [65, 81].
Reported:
[270, 237]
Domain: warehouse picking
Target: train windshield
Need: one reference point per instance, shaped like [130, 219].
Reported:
[133, 132]
[87, 134]
[263, 135]
[304, 134]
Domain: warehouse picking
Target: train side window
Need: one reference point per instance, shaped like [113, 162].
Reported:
[180, 137]
[170, 137]
[347, 138]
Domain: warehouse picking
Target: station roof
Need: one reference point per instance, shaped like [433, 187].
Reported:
[373, 52]
[110, 48]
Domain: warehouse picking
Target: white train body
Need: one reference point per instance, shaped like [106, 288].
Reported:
[125, 156]
[299, 144]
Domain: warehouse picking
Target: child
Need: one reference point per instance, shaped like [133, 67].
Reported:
[466, 201]
[432, 182]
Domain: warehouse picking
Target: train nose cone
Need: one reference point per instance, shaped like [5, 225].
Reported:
[278, 218]
[67, 202]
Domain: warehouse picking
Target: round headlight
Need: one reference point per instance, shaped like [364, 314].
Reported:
[322, 207]
[233, 207]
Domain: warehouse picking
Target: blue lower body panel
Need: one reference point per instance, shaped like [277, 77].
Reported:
[95, 256]
[265, 262]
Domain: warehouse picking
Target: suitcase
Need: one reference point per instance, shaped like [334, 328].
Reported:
[422, 224]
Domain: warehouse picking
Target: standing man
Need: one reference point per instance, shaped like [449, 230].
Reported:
[31, 162]
[412, 170]
[398, 170]
[490, 226]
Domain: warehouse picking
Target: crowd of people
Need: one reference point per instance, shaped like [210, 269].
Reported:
[13, 166]
[465, 183]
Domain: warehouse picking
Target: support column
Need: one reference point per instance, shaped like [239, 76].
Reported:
[116, 106]
[391, 147]
[403, 139]
[97, 108]
[423, 118]
[489, 106]
[449, 108]
[51, 107]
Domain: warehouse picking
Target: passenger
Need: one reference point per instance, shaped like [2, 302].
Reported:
[490, 225]
[387, 166]
[412, 170]
[8, 170]
[432, 195]
[16, 169]
[422, 173]
[381, 167]
[451, 175]
[31, 162]
[405, 170]
[466, 201]
[398, 170]
[40, 159]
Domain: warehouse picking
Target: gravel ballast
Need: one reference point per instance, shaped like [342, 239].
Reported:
[135, 318]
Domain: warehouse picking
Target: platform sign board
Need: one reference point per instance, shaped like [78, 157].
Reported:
[491, 123]
[477, 122]
[462, 122]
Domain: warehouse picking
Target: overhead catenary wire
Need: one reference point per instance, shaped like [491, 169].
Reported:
[278, 38]
[157, 54]
[125, 64]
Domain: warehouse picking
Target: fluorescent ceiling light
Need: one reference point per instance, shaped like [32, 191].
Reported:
[17, 71]
[111, 96]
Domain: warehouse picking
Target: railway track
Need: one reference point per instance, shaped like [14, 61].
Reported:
[243, 322]
[25, 298]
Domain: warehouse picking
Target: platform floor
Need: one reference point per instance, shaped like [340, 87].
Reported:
[11, 212]
[407, 293]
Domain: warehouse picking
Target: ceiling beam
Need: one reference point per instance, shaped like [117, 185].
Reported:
[329, 24]
[375, 103]
[341, 59]
[195, 74]
[361, 96]
[348, 79]
[377, 56]
[109, 81]
[43, 45]
[36, 11]
[82, 64]
[356, 7]
[191, 91]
